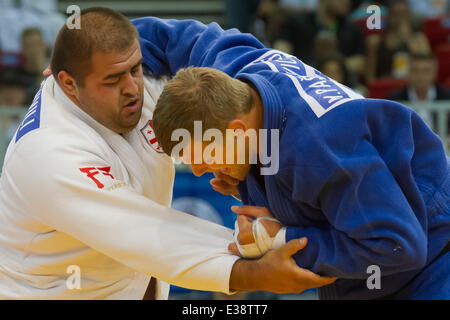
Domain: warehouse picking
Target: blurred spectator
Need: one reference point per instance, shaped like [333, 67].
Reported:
[12, 23]
[388, 54]
[31, 61]
[34, 54]
[335, 68]
[270, 16]
[40, 14]
[13, 93]
[422, 85]
[298, 34]
[325, 45]
[422, 81]
[48, 12]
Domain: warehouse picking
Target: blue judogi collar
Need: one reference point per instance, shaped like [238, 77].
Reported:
[273, 119]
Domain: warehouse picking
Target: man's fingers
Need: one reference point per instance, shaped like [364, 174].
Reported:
[309, 278]
[232, 247]
[245, 235]
[223, 185]
[223, 188]
[228, 179]
[251, 211]
[224, 192]
[293, 246]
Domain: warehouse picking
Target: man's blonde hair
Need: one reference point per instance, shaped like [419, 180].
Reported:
[199, 94]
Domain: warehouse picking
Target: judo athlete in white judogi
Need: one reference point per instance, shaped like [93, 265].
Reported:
[86, 187]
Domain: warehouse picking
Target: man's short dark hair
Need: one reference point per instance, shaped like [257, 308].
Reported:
[199, 94]
[101, 30]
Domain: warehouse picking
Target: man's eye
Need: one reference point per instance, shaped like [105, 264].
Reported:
[112, 83]
[135, 70]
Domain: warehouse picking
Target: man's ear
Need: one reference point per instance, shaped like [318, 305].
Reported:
[67, 83]
[237, 124]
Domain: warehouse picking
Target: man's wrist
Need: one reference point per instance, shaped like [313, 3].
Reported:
[242, 275]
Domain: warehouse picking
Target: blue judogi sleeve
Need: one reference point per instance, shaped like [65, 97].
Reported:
[168, 45]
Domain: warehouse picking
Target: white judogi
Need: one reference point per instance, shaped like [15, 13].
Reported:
[75, 193]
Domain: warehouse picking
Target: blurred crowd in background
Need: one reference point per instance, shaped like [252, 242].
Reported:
[412, 45]
[28, 29]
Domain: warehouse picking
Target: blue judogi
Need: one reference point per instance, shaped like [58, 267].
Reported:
[366, 181]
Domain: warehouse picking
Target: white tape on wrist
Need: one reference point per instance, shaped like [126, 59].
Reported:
[263, 242]
[280, 239]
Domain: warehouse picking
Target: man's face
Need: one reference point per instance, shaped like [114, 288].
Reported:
[113, 92]
[422, 74]
[234, 170]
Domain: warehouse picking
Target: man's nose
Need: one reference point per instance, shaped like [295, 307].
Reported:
[130, 87]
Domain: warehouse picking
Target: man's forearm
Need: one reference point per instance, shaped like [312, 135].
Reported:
[243, 274]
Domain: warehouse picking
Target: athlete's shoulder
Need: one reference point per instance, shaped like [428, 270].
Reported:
[43, 148]
[55, 140]
[301, 83]
[48, 125]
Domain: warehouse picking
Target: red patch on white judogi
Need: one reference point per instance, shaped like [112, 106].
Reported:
[150, 137]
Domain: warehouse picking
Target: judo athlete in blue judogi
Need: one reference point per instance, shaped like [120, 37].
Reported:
[365, 181]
